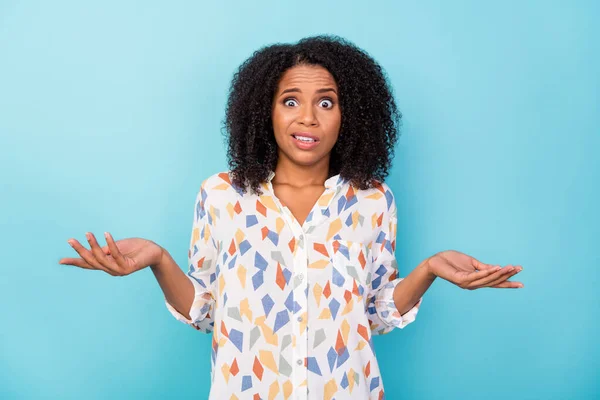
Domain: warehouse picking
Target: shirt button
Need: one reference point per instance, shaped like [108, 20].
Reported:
[299, 362]
[300, 277]
[299, 319]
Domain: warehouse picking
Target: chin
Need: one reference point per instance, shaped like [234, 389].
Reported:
[305, 159]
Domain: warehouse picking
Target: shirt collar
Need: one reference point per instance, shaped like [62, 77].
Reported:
[331, 182]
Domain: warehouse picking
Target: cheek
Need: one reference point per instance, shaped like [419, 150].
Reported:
[332, 125]
[281, 120]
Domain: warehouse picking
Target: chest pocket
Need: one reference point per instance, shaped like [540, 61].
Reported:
[351, 261]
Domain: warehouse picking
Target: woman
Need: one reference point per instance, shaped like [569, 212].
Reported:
[291, 260]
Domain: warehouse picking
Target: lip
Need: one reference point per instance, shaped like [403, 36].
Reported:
[305, 145]
[306, 134]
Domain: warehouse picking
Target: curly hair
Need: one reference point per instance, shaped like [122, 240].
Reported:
[370, 119]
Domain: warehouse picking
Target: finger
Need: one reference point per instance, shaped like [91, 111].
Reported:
[499, 276]
[87, 255]
[99, 254]
[77, 262]
[508, 285]
[504, 277]
[505, 274]
[475, 276]
[481, 266]
[469, 282]
[114, 250]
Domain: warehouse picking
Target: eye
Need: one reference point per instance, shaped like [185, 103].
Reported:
[290, 102]
[327, 102]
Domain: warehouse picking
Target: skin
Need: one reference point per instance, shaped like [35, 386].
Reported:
[306, 100]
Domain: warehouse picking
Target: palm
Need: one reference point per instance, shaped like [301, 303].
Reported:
[452, 264]
[117, 258]
[469, 273]
[137, 253]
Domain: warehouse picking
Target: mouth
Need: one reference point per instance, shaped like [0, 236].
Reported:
[305, 141]
[305, 137]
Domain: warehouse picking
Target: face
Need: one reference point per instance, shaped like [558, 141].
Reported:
[306, 115]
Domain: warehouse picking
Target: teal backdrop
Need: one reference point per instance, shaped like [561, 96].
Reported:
[110, 117]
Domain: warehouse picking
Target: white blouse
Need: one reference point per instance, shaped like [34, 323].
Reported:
[292, 308]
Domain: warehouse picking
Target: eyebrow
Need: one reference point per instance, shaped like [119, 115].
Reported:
[290, 90]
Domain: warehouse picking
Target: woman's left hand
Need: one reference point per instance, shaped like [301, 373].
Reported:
[469, 273]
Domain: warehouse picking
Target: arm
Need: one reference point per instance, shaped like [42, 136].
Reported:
[382, 307]
[190, 298]
[408, 291]
[175, 284]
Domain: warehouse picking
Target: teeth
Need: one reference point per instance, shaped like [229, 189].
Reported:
[304, 139]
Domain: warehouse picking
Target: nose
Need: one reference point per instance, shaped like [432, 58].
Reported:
[307, 116]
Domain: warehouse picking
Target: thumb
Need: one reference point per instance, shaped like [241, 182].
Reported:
[481, 266]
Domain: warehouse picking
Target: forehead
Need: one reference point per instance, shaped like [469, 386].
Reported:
[303, 75]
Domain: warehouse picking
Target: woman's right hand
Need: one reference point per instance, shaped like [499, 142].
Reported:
[119, 258]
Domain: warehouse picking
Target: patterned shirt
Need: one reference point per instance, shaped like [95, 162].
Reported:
[292, 309]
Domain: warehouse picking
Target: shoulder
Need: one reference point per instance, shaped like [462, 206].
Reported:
[217, 181]
[217, 187]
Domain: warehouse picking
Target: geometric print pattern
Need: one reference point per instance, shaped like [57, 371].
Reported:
[292, 309]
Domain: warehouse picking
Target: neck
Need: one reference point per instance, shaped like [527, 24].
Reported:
[292, 174]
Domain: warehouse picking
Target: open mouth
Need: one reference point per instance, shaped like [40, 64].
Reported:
[305, 139]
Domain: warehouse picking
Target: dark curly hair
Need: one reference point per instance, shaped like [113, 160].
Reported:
[370, 120]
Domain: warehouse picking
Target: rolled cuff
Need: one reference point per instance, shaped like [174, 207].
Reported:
[200, 311]
[386, 307]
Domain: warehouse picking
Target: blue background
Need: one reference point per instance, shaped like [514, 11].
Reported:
[110, 119]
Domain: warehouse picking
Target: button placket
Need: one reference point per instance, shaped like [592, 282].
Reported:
[301, 262]
[299, 351]
[300, 268]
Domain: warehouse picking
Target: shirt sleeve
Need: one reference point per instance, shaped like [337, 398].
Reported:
[381, 310]
[202, 257]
